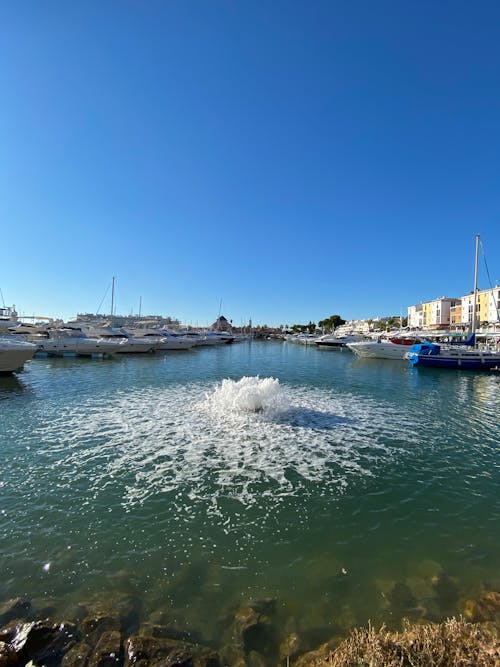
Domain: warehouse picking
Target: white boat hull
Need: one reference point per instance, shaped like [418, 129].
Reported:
[13, 358]
[135, 346]
[379, 350]
[77, 347]
[173, 344]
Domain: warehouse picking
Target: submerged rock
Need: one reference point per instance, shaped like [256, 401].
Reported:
[421, 587]
[94, 626]
[403, 602]
[314, 658]
[447, 594]
[207, 658]
[120, 608]
[428, 569]
[8, 657]
[253, 630]
[17, 608]
[169, 630]
[141, 651]
[485, 608]
[77, 655]
[44, 608]
[291, 646]
[233, 655]
[255, 659]
[107, 653]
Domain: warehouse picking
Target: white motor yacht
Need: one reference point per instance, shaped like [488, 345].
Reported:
[216, 338]
[72, 342]
[128, 344]
[163, 340]
[14, 353]
[194, 336]
[390, 348]
[332, 340]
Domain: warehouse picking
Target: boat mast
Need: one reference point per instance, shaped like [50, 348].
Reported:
[112, 296]
[474, 306]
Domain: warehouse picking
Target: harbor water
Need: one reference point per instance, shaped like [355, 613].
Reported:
[345, 490]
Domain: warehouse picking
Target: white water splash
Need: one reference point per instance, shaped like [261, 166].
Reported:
[250, 394]
[243, 440]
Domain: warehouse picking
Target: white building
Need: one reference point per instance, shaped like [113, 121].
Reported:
[355, 326]
[487, 307]
[431, 314]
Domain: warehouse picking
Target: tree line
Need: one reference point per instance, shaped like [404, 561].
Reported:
[331, 323]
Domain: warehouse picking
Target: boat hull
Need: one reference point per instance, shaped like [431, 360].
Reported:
[379, 350]
[14, 360]
[135, 347]
[329, 343]
[467, 362]
[85, 347]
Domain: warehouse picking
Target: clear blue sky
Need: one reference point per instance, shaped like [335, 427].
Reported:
[294, 159]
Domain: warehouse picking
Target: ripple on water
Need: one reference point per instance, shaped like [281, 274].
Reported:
[347, 482]
[237, 440]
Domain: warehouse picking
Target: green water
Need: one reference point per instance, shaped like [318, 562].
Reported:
[136, 476]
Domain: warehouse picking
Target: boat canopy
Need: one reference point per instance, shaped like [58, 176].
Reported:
[426, 348]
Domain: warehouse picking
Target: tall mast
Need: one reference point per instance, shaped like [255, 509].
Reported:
[140, 305]
[218, 318]
[474, 306]
[113, 296]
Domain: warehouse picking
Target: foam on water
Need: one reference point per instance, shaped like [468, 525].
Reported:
[243, 440]
[250, 394]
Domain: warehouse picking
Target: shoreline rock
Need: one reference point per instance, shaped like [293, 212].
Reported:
[251, 638]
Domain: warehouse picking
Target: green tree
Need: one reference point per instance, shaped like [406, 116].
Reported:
[331, 322]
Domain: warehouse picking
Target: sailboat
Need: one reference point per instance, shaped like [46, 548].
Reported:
[468, 357]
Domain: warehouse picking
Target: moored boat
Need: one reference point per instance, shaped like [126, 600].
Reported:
[390, 348]
[438, 356]
[64, 342]
[215, 338]
[461, 357]
[332, 340]
[127, 344]
[14, 353]
[161, 340]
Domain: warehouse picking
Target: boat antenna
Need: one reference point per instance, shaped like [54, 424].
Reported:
[490, 282]
[140, 305]
[1, 294]
[474, 306]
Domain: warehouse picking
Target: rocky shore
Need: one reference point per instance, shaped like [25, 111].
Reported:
[107, 633]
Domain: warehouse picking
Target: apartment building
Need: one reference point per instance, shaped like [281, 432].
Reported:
[435, 314]
[446, 312]
[487, 307]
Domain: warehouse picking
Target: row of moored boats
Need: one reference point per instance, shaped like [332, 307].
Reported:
[477, 352]
[20, 343]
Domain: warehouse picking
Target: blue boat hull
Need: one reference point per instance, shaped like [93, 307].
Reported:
[463, 363]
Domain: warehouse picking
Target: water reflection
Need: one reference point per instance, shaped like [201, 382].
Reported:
[346, 495]
[485, 388]
[11, 385]
[303, 417]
